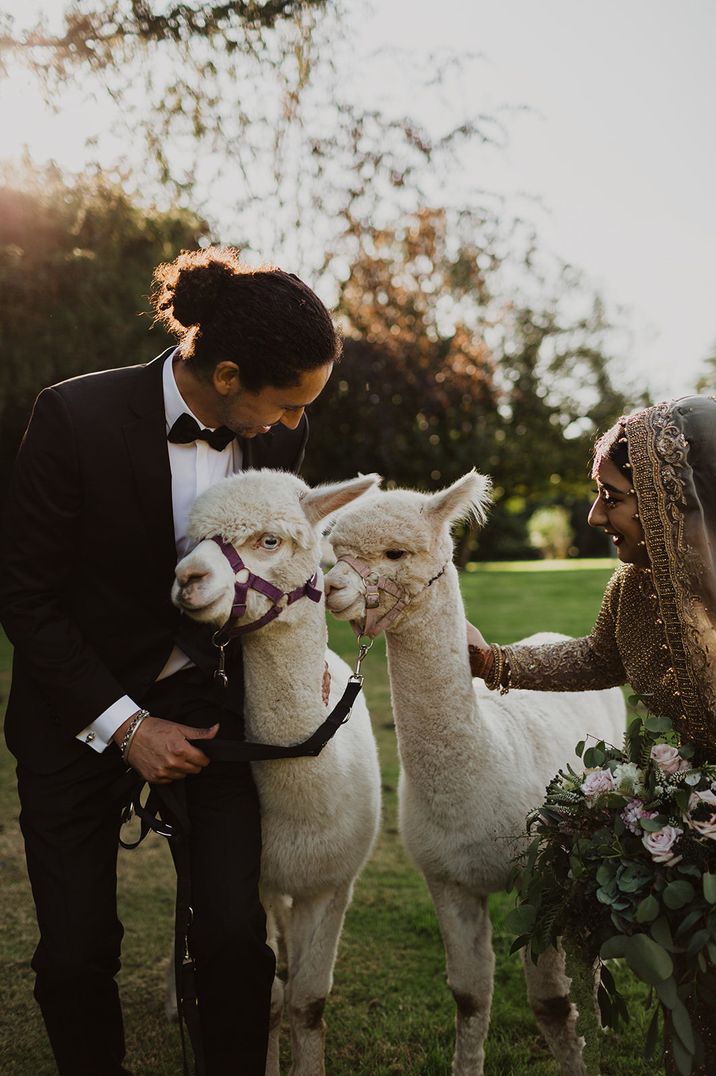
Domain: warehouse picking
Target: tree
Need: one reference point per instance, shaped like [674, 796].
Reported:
[414, 397]
[76, 261]
[443, 371]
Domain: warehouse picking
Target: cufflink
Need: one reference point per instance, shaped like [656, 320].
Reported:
[89, 737]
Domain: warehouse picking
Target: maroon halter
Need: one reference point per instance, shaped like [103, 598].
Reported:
[231, 629]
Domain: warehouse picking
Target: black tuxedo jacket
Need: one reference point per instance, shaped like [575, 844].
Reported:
[88, 556]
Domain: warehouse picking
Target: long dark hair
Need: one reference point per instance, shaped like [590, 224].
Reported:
[265, 320]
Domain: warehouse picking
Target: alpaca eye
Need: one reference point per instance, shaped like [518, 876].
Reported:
[394, 554]
[270, 541]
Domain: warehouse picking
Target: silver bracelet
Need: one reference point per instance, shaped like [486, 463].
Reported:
[131, 732]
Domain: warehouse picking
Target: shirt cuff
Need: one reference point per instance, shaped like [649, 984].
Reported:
[99, 734]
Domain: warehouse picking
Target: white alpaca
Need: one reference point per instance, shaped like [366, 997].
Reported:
[473, 763]
[319, 815]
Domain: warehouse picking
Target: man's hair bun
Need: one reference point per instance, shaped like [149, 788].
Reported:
[189, 289]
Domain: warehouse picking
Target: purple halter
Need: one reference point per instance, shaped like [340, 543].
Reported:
[231, 629]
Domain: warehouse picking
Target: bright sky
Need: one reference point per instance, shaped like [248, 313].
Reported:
[620, 145]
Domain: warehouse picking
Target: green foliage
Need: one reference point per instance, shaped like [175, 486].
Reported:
[622, 865]
[76, 262]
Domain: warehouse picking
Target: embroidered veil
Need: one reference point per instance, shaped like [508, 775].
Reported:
[672, 450]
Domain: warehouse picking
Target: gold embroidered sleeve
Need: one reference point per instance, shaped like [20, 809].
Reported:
[585, 664]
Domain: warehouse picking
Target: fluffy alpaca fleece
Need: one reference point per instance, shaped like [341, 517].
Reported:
[319, 815]
[473, 762]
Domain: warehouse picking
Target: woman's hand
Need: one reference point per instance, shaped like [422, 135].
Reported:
[475, 637]
[482, 660]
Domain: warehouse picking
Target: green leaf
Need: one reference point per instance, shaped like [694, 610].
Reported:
[661, 933]
[651, 825]
[521, 920]
[684, 1060]
[666, 992]
[579, 749]
[710, 887]
[678, 893]
[698, 941]
[652, 1035]
[647, 910]
[687, 922]
[682, 1025]
[593, 758]
[605, 873]
[647, 959]
[614, 947]
[657, 724]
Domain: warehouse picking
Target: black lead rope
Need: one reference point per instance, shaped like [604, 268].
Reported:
[165, 812]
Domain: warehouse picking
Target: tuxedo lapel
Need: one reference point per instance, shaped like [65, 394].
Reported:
[146, 440]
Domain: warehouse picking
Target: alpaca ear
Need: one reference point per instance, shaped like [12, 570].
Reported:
[325, 500]
[468, 498]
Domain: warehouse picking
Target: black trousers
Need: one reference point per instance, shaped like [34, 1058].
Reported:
[70, 821]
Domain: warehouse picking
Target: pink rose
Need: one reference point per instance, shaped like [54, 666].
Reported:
[631, 814]
[659, 845]
[705, 826]
[668, 759]
[597, 783]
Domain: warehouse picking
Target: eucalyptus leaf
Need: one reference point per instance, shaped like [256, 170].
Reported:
[652, 825]
[682, 1026]
[710, 887]
[698, 940]
[678, 893]
[657, 724]
[593, 758]
[661, 933]
[521, 920]
[647, 910]
[647, 959]
[614, 947]
[666, 992]
[684, 1060]
[652, 1035]
[579, 749]
[687, 922]
[682, 1057]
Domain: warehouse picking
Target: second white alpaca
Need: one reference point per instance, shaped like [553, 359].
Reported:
[319, 816]
[473, 763]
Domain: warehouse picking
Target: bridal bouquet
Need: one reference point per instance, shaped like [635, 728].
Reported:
[622, 864]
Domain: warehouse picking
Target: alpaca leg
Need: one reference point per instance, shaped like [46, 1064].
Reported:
[467, 935]
[275, 933]
[171, 1009]
[311, 945]
[548, 994]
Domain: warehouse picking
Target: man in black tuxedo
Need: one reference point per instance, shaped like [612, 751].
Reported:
[106, 673]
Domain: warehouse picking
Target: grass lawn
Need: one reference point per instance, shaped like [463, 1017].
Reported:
[390, 1011]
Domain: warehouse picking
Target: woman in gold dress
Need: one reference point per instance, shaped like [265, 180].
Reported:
[655, 472]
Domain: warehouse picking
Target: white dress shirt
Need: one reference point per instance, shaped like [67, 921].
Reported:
[194, 467]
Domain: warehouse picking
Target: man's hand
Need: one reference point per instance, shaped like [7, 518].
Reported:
[160, 751]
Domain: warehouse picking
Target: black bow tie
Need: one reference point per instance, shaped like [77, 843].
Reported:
[186, 429]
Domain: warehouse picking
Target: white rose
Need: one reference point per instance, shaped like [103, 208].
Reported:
[628, 779]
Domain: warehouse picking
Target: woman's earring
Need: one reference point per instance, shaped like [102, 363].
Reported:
[636, 516]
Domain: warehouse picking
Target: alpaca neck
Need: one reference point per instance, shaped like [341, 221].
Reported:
[283, 672]
[434, 705]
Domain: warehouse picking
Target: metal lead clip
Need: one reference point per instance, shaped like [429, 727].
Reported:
[219, 673]
[363, 649]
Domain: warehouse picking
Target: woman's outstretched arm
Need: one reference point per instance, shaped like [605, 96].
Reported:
[590, 663]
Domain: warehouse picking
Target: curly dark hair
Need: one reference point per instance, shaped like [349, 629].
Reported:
[265, 320]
